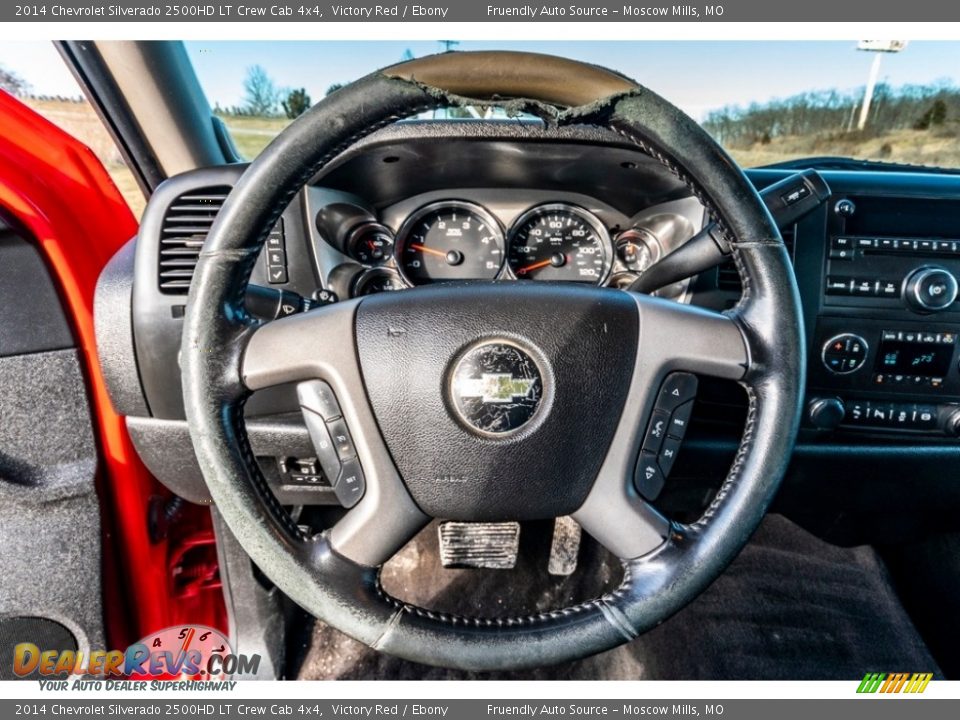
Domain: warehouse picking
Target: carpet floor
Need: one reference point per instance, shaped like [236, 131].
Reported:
[790, 607]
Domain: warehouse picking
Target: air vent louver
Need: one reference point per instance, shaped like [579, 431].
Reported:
[728, 279]
[185, 227]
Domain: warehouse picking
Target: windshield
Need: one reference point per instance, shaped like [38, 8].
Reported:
[766, 102]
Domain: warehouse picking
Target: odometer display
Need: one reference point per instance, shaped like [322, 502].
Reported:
[450, 240]
[559, 242]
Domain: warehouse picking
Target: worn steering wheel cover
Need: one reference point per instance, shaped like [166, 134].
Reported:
[347, 595]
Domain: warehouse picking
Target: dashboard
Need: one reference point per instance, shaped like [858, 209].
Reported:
[421, 203]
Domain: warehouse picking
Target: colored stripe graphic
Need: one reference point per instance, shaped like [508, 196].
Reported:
[894, 683]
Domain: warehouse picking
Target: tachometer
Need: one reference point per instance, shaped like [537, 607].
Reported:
[559, 242]
[450, 240]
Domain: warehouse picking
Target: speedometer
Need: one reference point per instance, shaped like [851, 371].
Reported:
[559, 242]
[450, 240]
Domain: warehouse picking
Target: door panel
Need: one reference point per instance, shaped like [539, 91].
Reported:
[65, 207]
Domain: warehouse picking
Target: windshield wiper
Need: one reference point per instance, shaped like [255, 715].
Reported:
[831, 162]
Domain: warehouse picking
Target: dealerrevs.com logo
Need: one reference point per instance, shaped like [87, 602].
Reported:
[191, 657]
[890, 683]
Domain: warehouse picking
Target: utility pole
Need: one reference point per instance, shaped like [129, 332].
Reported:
[449, 45]
[879, 47]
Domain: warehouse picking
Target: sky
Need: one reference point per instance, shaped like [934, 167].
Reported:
[699, 76]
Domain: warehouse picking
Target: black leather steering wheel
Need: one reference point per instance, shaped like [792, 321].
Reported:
[392, 360]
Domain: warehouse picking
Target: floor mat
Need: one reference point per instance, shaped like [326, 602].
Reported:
[789, 607]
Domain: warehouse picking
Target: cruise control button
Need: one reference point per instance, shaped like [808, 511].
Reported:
[648, 479]
[323, 444]
[657, 431]
[341, 438]
[677, 389]
[668, 453]
[350, 484]
[679, 420]
[318, 397]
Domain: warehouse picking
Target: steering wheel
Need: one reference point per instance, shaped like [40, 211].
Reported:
[413, 377]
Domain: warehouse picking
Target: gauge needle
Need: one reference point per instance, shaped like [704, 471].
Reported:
[424, 248]
[535, 266]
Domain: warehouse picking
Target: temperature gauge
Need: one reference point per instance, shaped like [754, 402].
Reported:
[637, 249]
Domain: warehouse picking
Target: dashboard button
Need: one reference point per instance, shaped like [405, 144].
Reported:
[317, 396]
[276, 274]
[668, 454]
[839, 285]
[341, 438]
[648, 479]
[856, 412]
[864, 287]
[889, 289]
[679, 420]
[657, 431]
[879, 413]
[323, 445]
[677, 389]
[924, 417]
[351, 484]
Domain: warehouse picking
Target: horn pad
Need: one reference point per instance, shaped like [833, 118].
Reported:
[498, 401]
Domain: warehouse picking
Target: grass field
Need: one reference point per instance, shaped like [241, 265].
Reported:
[938, 147]
[251, 134]
[80, 120]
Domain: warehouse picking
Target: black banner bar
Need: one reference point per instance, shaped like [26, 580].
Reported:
[479, 11]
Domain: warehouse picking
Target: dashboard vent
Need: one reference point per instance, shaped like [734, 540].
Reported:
[185, 227]
[728, 279]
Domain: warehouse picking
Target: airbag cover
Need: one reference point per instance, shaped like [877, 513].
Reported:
[561, 362]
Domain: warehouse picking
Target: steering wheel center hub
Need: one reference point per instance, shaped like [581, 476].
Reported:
[497, 401]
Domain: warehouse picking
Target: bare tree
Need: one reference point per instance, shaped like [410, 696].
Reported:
[260, 92]
[13, 83]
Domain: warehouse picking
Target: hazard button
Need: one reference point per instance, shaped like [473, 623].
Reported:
[677, 389]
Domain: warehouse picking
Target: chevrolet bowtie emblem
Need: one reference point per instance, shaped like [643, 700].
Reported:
[496, 387]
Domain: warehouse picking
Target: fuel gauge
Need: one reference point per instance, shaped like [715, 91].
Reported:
[370, 243]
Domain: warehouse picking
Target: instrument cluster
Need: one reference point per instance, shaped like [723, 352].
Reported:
[452, 239]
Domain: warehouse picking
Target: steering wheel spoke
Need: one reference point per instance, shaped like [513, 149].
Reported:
[318, 351]
[672, 338]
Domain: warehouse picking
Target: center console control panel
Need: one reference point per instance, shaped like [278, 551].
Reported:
[884, 354]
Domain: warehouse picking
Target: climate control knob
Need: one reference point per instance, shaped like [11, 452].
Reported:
[952, 425]
[930, 289]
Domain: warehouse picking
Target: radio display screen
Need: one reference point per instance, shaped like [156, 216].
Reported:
[904, 358]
